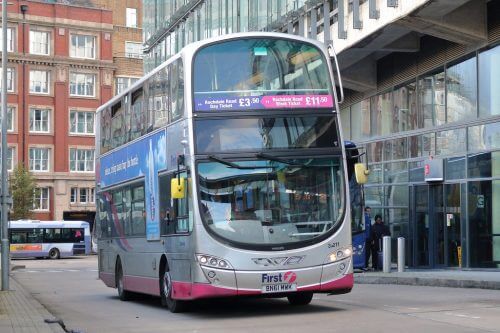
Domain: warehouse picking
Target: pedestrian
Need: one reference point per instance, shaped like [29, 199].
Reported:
[368, 235]
[379, 230]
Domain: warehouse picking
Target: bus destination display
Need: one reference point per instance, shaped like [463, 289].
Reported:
[232, 103]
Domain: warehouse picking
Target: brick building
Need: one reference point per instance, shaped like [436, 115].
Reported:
[60, 69]
[127, 40]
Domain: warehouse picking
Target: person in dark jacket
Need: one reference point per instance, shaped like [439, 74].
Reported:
[379, 230]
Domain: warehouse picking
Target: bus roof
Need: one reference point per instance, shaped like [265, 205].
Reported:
[47, 224]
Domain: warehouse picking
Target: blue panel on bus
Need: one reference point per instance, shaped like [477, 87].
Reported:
[142, 158]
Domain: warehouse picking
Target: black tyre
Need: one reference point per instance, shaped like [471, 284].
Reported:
[123, 294]
[54, 254]
[174, 305]
[300, 298]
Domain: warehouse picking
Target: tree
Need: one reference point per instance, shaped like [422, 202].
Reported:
[22, 187]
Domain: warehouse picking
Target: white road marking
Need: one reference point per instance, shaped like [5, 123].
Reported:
[461, 315]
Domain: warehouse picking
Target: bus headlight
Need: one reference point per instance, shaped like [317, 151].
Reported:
[339, 254]
[212, 261]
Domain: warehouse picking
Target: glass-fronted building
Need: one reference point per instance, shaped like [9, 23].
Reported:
[433, 103]
[450, 114]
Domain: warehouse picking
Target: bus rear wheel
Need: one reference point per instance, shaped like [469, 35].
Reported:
[174, 305]
[54, 254]
[300, 298]
[123, 294]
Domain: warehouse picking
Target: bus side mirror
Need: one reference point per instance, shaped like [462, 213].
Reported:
[361, 173]
[177, 188]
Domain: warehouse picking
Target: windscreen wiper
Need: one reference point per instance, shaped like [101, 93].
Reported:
[278, 159]
[234, 165]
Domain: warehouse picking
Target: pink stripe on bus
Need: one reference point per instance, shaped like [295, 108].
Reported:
[187, 290]
[142, 284]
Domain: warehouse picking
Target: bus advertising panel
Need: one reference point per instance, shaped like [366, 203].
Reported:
[143, 158]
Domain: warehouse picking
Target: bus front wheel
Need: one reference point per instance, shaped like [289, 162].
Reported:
[123, 294]
[300, 298]
[54, 254]
[173, 305]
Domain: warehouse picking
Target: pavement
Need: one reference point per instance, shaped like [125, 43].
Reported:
[21, 312]
[482, 279]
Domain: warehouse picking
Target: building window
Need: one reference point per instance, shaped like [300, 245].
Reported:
[10, 158]
[10, 39]
[82, 84]
[123, 83]
[74, 195]
[41, 198]
[131, 17]
[40, 120]
[39, 82]
[83, 195]
[133, 50]
[86, 195]
[81, 122]
[81, 160]
[10, 79]
[39, 159]
[10, 118]
[82, 46]
[39, 42]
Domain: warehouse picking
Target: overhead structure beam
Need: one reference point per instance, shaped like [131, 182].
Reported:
[464, 25]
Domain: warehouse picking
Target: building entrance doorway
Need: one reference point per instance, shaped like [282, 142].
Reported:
[437, 225]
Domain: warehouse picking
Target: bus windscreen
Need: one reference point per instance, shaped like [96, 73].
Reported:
[241, 134]
[260, 73]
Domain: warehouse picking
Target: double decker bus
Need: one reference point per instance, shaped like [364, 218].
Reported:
[221, 173]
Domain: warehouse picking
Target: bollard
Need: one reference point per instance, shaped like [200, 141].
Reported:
[401, 254]
[386, 250]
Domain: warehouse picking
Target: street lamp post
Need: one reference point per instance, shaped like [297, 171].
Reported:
[4, 195]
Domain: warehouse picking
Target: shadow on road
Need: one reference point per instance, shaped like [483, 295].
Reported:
[237, 307]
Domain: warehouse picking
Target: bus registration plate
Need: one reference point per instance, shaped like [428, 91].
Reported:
[279, 288]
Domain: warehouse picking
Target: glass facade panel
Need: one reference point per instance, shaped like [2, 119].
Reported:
[397, 195]
[432, 100]
[489, 82]
[428, 144]
[461, 91]
[451, 142]
[416, 171]
[374, 196]
[455, 167]
[360, 120]
[345, 118]
[381, 114]
[374, 151]
[484, 165]
[404, 116]
[396, 172]
[484, 223]
[396, 149]
[376, 173]
[484, 137]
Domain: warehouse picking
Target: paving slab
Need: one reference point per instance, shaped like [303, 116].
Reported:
[20, 312]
